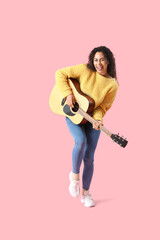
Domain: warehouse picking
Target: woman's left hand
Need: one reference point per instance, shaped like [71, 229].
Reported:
[96, 124]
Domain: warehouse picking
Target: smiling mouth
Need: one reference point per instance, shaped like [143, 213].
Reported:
[99, 68]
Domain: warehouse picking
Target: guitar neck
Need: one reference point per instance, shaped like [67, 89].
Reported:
[91, 120]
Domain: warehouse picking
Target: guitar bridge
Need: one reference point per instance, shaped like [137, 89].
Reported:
[63, 101]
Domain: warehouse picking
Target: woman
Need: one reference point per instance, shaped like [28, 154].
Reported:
[98, 80]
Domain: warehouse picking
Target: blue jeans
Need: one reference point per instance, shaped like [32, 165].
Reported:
[86, 139]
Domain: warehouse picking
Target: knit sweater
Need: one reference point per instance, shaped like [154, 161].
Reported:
[102, 89]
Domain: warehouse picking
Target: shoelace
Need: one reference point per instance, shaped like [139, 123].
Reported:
[89, 196]
[75, 185]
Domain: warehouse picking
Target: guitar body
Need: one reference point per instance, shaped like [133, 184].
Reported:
[85, 102]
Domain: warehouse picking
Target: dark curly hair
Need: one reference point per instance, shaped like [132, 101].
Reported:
[111, 69]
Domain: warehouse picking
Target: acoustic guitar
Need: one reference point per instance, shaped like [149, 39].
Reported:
[82, 111]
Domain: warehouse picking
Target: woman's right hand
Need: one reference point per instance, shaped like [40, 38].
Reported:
[70, 100]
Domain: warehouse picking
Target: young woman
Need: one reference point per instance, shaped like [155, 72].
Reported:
[98, 80]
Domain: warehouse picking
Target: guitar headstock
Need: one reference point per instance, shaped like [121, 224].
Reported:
[119, 140]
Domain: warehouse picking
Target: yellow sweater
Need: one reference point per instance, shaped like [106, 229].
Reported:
[103, 90]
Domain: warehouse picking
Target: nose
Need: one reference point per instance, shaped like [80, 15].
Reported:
[99, 62]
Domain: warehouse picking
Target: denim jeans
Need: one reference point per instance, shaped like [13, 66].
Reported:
[86, 139]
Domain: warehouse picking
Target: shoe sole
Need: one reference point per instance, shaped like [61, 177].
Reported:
[88, 205]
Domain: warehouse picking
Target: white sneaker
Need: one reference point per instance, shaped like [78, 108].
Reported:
[87, 199]
[74, 188]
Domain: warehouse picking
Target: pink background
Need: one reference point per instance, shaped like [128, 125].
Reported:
[37, 38]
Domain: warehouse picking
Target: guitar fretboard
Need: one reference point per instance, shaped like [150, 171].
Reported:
[91, 120]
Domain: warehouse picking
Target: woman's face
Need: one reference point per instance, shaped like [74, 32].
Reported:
[100, 63]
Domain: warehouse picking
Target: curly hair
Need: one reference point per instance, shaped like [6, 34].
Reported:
[111, 69]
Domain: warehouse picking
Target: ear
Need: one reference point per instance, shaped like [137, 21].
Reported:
[107, 61]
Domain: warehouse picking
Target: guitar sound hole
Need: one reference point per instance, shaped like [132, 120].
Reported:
[76, 107]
